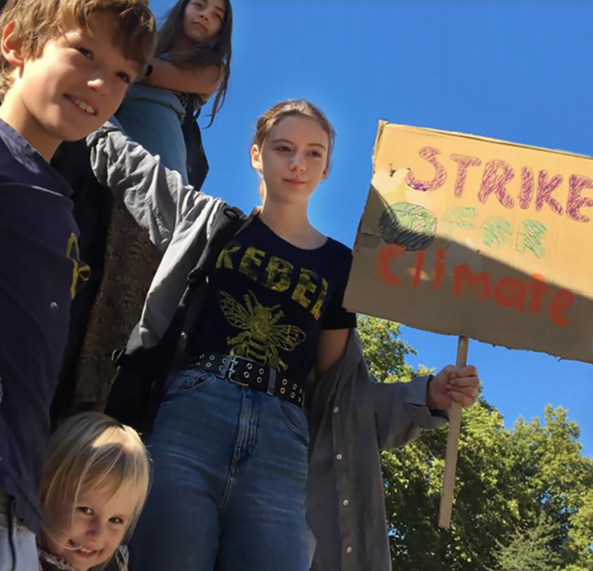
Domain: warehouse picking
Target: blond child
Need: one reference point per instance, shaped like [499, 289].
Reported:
[65, 66]
[94, 485]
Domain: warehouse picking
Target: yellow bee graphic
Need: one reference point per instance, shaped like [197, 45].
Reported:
[261, 337]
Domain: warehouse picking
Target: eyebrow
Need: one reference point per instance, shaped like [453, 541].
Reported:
[308, 144]
[219, 9]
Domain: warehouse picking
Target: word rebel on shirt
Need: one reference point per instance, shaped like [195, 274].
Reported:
[308, 289]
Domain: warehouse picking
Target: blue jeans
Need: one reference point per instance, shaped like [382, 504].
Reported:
[18, 548]
[152, 117]
[230, 468]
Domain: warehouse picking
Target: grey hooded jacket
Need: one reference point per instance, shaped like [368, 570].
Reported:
[351, 417]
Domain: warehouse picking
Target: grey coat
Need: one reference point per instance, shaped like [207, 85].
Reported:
[351, 417]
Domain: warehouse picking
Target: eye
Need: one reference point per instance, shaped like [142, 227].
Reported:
[315, 154]
[85, 52]
[85, 510]
[117, 520]
[282, 149]
[124, 77]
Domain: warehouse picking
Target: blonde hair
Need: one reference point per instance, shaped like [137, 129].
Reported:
[292, 108]
[89, 452]
[38, 21]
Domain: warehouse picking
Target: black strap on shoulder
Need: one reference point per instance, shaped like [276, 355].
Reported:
[172, 346]
[196, 160]
[229, 222]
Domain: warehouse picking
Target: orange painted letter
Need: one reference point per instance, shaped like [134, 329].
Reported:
[538, 288]
[510, 292]
[561, 301]
[386, 254]
[439, 269]
[463, 273]
[418, 267]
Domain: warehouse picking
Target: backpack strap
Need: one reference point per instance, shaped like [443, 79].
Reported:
[196, 160]
[174, 356]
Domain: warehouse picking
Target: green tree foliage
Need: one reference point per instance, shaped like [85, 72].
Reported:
[508, 483]
[529, 550]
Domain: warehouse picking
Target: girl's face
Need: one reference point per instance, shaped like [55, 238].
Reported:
[90, 533]
[293, 159]
[202, 20]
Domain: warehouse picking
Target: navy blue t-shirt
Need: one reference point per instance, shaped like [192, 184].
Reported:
[268, 300]
[39, 274]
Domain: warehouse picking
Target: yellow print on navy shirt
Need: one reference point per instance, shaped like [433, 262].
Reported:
[80, 271]
[308, 289]
[261, 335]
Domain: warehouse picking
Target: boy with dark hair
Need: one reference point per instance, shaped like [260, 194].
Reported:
[64, 68]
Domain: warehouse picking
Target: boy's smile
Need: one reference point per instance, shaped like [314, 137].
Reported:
[71, 89]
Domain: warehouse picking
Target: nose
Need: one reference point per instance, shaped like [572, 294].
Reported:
[98, 83]
[297, 163]
[95, 529]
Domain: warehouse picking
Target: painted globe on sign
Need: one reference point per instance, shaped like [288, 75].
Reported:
[408, 225]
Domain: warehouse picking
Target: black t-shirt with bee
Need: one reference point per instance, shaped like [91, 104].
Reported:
[268, 300]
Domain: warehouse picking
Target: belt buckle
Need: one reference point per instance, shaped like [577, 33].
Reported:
[229, 370]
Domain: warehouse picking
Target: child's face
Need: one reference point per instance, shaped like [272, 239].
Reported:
[72, 88]
[202, 19]
[89, 534]
[293, 159]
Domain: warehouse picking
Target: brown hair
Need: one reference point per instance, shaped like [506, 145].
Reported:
[217, 52]
[291, 108]
[38, 21]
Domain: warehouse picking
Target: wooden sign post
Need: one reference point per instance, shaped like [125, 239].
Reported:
[452, 444]
[469, 236]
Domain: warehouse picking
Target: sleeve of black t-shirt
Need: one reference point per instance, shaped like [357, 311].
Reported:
[336, 317]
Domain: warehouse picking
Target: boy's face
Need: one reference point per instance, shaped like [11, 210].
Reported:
[71, 89]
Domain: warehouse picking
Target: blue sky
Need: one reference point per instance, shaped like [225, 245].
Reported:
[512, 70]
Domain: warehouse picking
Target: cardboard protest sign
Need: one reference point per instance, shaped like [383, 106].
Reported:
[476, 237]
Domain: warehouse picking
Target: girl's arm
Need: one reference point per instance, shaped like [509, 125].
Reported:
[155, 196]
[330, 349]
[166, 75]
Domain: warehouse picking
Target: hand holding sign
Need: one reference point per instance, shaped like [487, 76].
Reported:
[453, 385]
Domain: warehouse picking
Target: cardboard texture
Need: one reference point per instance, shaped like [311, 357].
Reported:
[476, 237]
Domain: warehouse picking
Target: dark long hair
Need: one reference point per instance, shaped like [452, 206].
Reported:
[217, 52]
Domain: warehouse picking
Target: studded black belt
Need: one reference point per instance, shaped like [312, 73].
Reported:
[247, 373]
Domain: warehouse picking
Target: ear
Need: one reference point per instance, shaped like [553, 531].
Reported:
[256, 158]
[12, 45]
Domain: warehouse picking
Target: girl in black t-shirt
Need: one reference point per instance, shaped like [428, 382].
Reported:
[230, 440]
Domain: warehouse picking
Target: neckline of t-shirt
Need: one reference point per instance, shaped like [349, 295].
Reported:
[308, 250]
[34, 154]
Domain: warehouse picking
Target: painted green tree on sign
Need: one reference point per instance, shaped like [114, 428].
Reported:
[530, 238]
[496, 231]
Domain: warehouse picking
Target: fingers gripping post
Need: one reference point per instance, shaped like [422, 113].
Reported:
[452, 443]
